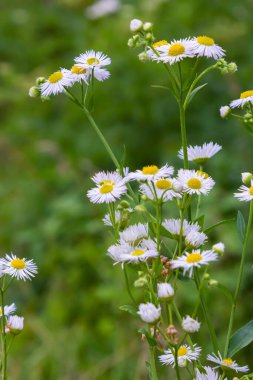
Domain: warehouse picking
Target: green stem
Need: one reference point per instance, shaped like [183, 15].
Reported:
[152, 363]
[127, 285]
[3, 336]
[176, 365]
[239, 280]
[183, 134]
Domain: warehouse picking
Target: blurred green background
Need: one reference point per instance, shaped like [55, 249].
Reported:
[73, 327]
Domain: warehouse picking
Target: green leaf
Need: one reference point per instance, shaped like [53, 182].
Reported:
[241, 338]
[240, 223]
[219, 224]
[225, 291]
[200, 220]
[129, 309]
[149, 370]
[194, 92]
[162, 87]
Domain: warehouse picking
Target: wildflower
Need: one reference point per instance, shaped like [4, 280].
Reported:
[102, 8]
[175, 51]
[194, 259]
[173, 226]
[224, 111]
[77, 74]
[195, 239]
[34, 92]
[125, 252]
[246, 178]
[149, 312]
[136, 25]
[190, 325]
[20, 268]
[204, 46]
[165, 291]
[134, 234]
[209, 375]
[218, 248]
[110, 187]
[184, 354]
[15, 324]
[200, 154]
[246, 193]
[95, 62]
[194, 182]
[161, 189]
[8, 310]
[245, 97]
[151, 172]
[147, 26]
[55, 84]
[226, 363]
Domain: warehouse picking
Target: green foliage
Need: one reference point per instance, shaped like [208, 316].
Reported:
[241, 338]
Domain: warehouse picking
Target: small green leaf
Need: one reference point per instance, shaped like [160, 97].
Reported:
[129, 309]
[162, 87]
[200, 220]
[150, 374]
[194, 92]
[241, 338]
[240, 223]
[218, 224]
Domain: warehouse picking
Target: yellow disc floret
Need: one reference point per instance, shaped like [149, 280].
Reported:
[55, 77]
[204, 40]
[160, 43]
[92, 61]
[194, 183]
[151, 169]
[18, 264]
[78, 70]
[202, 174]
[227, 361]
[251, 190]
[138, 252]
[106, 187]
[176, 49]
[182, 351]
[194, 257]
[246, 94]
[163, 184]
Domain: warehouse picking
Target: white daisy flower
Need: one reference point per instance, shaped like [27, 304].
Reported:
[121, 216]
[195, 182]
[245, 97]
[77, 73]
[245, 194]
[224, 111]
[184, 354]
[161, 189]
[190, 325]
[219, 248]
[246, 178]
[110, 187]
[165, 291]
[151, 173]
[91, 59]
[194, 259]
[56, 83]
[20, 268]
[156, 46]
[227, 363]
[15, 324]
[122, 253]
[149, 312]
[209, 375]
[136, 25]
[204, 46]
[195, 239]
[175, 51]
[101, 74]
[200, 154]
[8, 310]
[134, 234]
[173, 226]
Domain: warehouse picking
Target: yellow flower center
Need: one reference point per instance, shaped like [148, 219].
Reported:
[227, 361]
[251, 190]
[246, 94]
[182, 351]
[91, 61]
[193, 258]
[55, 77]
[194, 183]
[1, 313]
[151, 169]
[160, 43]
[18, 264]
[78, 70]
[204, 40]
[163, 184]
[106, 187]
[176, 49]
[138, 252]
[202, 174]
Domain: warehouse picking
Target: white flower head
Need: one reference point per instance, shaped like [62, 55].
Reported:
[245, 193]
[153, 53]
[15, 324]
[56, 83]
[190, 325]
[246, 178]
[194, 259]
[219, 248]
[134, 234]
[209, 375]
[175, 51]
[200, 154]
[173, 226]
[227, 363]
[110, 187]
[151, 173]
[149, 312]
[184, 353]
[93, 59]
[136, 25]
[102, 8]
[8, 310]
[77, 74]
[161, 189]
[20, 268]
[165, 291]
[126, 253]
[224, 111]
[195, 182]
[245, 97]
[195, 239]
[204, 46]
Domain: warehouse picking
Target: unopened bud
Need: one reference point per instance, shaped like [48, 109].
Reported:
[147, 26]
[124, 204]
[177, 186]
[135, 25]
[246, 178]
[144, 197]
[144, 57]
[224, 111]
[206, 276]
[150, 37]
[34, 92]
[219, 248]
[130, 43]
[212, 282]
[140, 208]
[40, 80]
[232, 67]
[171, 330]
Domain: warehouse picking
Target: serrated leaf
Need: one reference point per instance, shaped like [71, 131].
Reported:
[240, 224]
[149, 370]
[129, 309]
[195, 91]
[240, 339]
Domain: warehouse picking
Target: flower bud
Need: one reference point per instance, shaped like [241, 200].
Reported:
[218, 248]
[149, 312]
[206, 276]
[232, 67]
[224, 112]
[34, 92]
[15, 324]
[141, 281]
[177, 186]
[130, 43]
[147, 26]
[144, 57]
[136, 25]
[40, 80]
[190, 325]
[124, 204]
[212, 282]
[140, 208]
[165, 291]
[246, 178]
[150, 37]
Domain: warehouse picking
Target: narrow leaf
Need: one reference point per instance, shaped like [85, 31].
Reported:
[241, 338]
[240, 223]
[194, 92]
[219, 224]
[128, 308]
[200, 220]
[149, 370]
[162, 87]
[225, 291]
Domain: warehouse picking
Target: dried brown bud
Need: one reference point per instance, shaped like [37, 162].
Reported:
[171, 330]
[164, 272]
